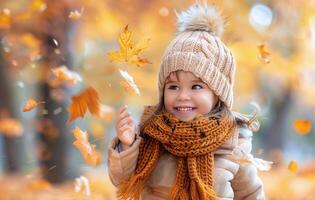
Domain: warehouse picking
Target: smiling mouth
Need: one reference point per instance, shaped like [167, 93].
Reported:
[184, 108]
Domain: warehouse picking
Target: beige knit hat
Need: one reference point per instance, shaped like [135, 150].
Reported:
[197, 48]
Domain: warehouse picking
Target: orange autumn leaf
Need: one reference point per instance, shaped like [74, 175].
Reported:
[64, 74]
[86, 100]
[263, 54]
[30, 104]
[302, 126]
[293, 166]
[87, 150]
[139, 61]
[11, 127]
[128, 52]
[4, 20]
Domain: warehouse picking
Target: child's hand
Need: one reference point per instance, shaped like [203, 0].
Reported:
[125, 128]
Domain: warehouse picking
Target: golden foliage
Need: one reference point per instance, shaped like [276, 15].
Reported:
[4, 20]
[128, 52]
[86, 100]
[293, 166]
[11, 127]
[263, 54]
[87, 150]
[62, 73]
[30, 104]
[302, 126]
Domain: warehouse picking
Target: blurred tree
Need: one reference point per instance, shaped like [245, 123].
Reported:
[7, 109]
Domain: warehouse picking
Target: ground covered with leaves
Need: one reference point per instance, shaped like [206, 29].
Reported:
[280, 184]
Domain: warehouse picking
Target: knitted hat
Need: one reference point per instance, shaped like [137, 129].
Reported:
[197, 48]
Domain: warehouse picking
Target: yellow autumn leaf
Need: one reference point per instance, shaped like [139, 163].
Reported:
[88, 151]
[293, 166]
[263, 54]
[39, 5]
[302, 126]
[128, 52]
[4, 20]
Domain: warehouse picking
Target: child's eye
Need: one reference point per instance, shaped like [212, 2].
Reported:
[173, 87]
[197, 87]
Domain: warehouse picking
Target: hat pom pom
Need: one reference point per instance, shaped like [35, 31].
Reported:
[200, 17]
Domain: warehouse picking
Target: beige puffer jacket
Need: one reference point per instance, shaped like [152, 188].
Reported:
[233, 180]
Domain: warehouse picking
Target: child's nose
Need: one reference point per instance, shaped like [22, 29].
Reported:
[183, 95]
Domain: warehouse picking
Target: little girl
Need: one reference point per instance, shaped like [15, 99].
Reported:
[184, 146]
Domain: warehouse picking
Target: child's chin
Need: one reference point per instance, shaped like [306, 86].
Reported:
[185, 119]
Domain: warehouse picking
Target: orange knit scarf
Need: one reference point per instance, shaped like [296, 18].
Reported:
[192, 142]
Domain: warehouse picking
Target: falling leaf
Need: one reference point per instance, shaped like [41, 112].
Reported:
[82, 184]
[128, 83]
[30, 104]
[239, 155]
[4, 20]
[39, 5]
[86, 100]
[87, 150]
[293, 166]
[11, 127]
[128, 52]
[64, 74]
[76, 15]
[263, 54]
[139, 61]
[106, 113]
[302, 126]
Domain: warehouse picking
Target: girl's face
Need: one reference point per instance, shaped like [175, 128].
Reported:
[186, 96]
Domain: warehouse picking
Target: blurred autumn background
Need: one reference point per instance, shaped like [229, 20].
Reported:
[64, 72]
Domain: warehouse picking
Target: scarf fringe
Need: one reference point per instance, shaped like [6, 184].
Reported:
[201, 191]
[131, 189]
[178, 193]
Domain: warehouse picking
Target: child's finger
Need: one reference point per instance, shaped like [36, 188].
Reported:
[122, 108]
[124, 117]
[124, 128]
[124, 121]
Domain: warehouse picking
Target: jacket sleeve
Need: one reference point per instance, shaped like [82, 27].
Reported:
[246, 183]
[121, 165]
[224, 173]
